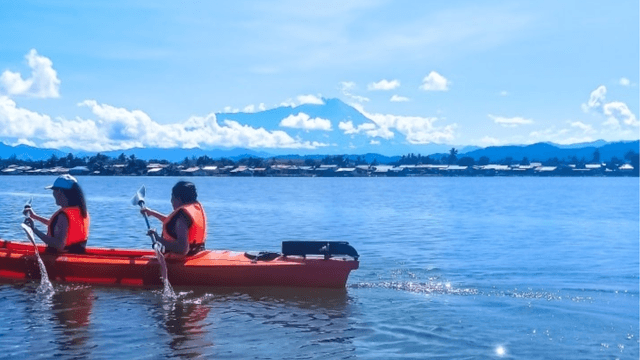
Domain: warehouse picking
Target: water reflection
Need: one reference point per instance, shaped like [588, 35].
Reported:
[185, 323]
[314, 321]
[71, 309]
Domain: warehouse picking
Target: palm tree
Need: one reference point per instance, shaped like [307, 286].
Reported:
[453, 156]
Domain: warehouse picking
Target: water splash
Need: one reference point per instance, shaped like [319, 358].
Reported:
[417, 287]
[45, 288]
[167, 291]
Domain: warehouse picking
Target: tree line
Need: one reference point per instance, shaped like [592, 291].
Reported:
[451, 158]
[134, 165]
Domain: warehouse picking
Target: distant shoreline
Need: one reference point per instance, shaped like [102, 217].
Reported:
[491, 170]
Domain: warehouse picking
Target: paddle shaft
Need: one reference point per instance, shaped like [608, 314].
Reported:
[146, 218]
[28, 216]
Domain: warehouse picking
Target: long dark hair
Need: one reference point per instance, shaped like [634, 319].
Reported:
[185, 191]
[75, 197]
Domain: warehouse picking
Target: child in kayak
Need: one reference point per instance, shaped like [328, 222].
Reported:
[184, 230]
[68, 228]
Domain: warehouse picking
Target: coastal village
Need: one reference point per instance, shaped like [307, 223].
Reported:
[291, 169]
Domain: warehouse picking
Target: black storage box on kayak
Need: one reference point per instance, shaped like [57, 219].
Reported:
[326, 248]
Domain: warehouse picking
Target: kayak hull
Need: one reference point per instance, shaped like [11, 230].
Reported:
[215, 268]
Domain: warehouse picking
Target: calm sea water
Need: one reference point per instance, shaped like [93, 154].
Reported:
[451, 268]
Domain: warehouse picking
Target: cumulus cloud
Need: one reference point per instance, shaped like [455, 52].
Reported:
[510, 122]
[595, 99]
[435, 82]
[43, 83]
[398, 98]
[617, 112]
[384, 85]
[624, 82]
[119, 128]
[252, 108]
[24, 142]
[417, 130]
[304, 121]
[310, 99]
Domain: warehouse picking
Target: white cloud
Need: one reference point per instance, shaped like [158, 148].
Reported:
[119, 128]
[252, 108]
[586, 128]
[595, 99]
[618, 111]
[303, 121]
[504, 93]
[374, 142]
[230, 110]
[398, 98]
[435, 82]
[384, 85]
[348, 128]
[310, 99]
[24, 142]
[624, 81]
[510, 122]
[43, 83]
[288, 103]
[417, 130]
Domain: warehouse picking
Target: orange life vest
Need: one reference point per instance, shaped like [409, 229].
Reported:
[197, 229]
[78, 228]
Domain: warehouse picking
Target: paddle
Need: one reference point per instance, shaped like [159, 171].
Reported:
[45, 284]
[138, 200]
[26, 228]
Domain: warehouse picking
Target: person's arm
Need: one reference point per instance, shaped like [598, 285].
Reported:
[28, 211]
[155, 214]
[181, 244]
[60, 231]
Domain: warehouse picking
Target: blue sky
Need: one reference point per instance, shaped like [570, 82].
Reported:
[117, 74]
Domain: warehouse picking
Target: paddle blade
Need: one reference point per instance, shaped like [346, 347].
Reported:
[29, 233]
[138, 198]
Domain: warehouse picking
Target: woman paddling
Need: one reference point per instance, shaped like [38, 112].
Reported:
[184, 230]
[68, 228]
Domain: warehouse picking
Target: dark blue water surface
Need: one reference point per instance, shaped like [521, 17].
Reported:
[451, 268]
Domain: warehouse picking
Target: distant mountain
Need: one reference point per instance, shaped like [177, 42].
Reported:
[544, 151]
[535, 152]
[26, 152]
[596, 144]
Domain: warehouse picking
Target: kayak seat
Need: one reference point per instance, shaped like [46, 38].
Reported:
[326, 248]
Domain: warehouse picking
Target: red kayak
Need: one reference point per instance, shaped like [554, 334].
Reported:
[321, 264]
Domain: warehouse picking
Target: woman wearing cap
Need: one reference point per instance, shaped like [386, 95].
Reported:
[68, 228]
[184, 230]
